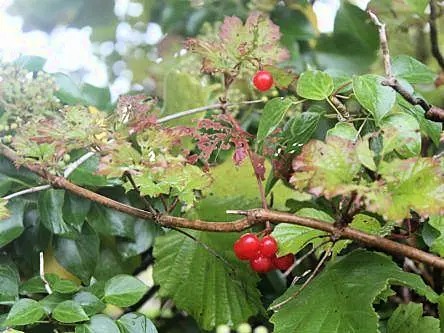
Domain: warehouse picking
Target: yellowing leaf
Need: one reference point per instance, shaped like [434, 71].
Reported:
[326, 168]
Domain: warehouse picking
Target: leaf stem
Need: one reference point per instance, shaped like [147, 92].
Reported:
[306, 283]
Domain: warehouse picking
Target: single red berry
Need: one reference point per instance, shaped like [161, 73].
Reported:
[261, 264]
[283, 263]
[263, 80]
[247, 247]
[268, 246]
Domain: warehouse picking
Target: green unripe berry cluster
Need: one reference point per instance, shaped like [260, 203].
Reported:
[23, 94]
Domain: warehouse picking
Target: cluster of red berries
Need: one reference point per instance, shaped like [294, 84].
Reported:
[263, 80]
[261, 253]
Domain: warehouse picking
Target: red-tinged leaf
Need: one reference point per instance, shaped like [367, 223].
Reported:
[257, 39]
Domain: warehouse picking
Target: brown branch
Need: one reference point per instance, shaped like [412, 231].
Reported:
[434, 35]
[383, 43]
[432, 112]
[252, 217]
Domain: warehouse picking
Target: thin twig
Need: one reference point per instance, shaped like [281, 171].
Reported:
[145, 201]
[252, 217]
[434, 35]
[173, 205]
[305, 284]
[360, 130]
[74, 165]
[301, 259]
[205, 246]
[297, 278]
[203, 108]
[27, 191]
[384, 44]
[342, 86]
[68, 171]
[432, 112]
[260, 186]
[42, 274]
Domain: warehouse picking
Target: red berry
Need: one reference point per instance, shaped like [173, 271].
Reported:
[283, 263]
[247, 247]
[268, 246]
[261, 264]
[263, 80]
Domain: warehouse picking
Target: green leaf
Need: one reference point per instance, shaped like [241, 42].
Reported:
[69, 312]
[182, 92]
[343, 130]
[437, 245]
[35, 285]
[225, 194]
[24, 312]
[353, 44]
[326, 168]
[124, 290]
[64, 286]
[347, 288]
[95, 96]
[192, 277]
[441, 311]
[51, 212]
[367, 224]
[68, 91]
[89, 302]
[315, 85]
[110, 263]
[408, 318]
[365, 155]
[85, 175]
[401, 133]
[9, 281]
[75, 209]
[418, 6]
[273, 114]
[78, 256]
[98, 324]
[294, 24]
[12, 227]
[429, 128]
[413, 184]
[34, 239]
[374, 97]
[299, 130]
[282, 78]
[136, 323]
[145, 232]
[31, 63]
[412, 70]
[352, 20]
[50, 302]
[110, 222]
[293, 238]
[9, 175]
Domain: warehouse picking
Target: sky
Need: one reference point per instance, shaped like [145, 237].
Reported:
[70, 49]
